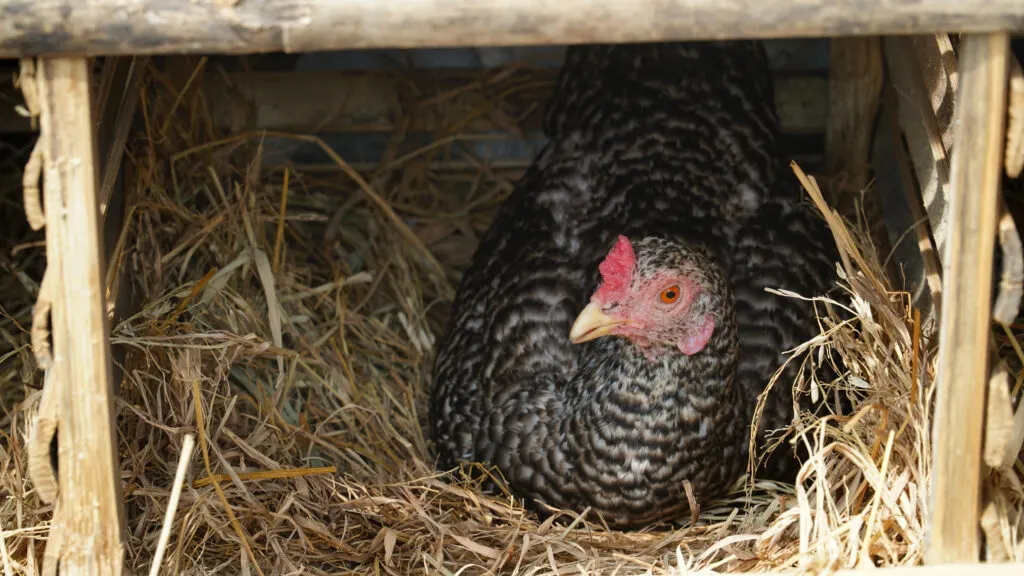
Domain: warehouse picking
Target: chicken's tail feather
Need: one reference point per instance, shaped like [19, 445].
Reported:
[595, 74]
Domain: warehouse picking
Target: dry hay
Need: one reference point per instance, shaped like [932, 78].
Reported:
[287, 320]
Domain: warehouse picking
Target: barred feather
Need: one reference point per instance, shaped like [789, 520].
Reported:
[677, 147]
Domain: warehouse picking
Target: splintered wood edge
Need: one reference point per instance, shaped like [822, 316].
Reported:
[90, 515]
[966, 307]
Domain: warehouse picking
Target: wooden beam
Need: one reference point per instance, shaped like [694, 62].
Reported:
[116, 27]
[89, 515]
[854, 93]
[976, 167]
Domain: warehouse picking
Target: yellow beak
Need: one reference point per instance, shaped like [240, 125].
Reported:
[592, 323]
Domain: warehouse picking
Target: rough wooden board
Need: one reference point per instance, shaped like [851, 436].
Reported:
[108, 27]
[90, 510]
[966, 313]
[854, 92]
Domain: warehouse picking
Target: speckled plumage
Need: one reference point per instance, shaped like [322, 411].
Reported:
[675, 146]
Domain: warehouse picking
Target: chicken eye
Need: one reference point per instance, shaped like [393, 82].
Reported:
[670, 294]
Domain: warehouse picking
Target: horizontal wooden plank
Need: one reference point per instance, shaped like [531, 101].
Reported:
[108, 27]
[347, 101]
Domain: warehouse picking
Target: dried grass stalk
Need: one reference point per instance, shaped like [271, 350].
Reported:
[287, 320]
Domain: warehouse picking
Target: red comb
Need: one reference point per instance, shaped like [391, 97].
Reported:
[617, 269]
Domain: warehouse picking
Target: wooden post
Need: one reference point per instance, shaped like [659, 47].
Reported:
[854, 93]
[966, 305]
[855, 88]
[89, 515]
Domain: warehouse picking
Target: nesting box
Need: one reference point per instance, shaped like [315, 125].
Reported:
[232, 231]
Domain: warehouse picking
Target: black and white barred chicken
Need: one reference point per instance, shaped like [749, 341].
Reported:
[612, 335]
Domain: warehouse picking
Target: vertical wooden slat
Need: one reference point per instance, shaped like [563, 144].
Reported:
[854, 92]
[855, 87]
[89, 515]
[966, 306]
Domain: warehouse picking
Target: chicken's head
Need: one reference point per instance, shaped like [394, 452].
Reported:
[657, 293]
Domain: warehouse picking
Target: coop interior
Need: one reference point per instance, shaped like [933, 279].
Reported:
[284, 236]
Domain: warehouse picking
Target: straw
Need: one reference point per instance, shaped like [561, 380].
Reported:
[287, 316]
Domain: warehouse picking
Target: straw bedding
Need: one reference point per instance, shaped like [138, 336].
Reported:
[287, 320]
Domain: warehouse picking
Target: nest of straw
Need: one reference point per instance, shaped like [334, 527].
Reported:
[287, 321]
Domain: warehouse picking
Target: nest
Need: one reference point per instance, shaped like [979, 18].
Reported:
[286, 320]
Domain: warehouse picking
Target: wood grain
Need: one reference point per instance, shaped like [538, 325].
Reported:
[976, 167]
[116, 27]
[854, 93]
[90, 514]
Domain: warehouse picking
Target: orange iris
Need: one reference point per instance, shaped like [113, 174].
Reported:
[670, 294]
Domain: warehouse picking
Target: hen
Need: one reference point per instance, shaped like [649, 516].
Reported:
[611, 337]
